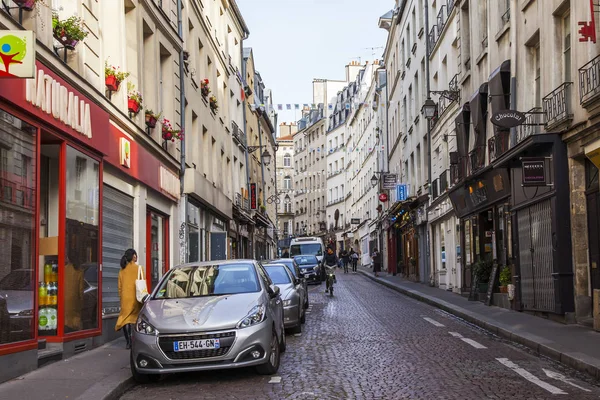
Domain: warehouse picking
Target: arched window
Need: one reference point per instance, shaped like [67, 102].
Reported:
[287, 182]
[287, 160]
[287, 204]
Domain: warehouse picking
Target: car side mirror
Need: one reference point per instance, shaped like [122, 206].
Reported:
[274, 291]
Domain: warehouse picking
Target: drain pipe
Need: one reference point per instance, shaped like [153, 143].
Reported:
[513, 67]
[183, 243]
[428, 83]
[250, 251]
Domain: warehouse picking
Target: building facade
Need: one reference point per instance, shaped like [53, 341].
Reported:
[84, 178]
[285, 183]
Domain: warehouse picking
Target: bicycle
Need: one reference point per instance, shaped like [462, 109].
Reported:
[330, 279]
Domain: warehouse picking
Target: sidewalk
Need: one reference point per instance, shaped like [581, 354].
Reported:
[573, 345]
[98, 374]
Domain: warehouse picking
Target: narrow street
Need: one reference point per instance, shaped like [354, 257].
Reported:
[369, 342]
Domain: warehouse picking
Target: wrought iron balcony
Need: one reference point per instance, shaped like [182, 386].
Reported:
[432, 37]
[589, 82]
[246, 204]
[458, 171]
[557, 106]
[434, 189]
[441, 18]
[476, 159]
[443, 181]
[238, 134]
[498, 144]
[450, 5]
[534, 119]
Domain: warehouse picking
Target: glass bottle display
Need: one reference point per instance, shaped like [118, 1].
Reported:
[48, 299]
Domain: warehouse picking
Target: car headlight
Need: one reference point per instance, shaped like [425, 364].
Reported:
[287, 303]
[143, 326]
[255, 316]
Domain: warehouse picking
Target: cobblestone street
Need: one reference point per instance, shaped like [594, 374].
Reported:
[369, 342]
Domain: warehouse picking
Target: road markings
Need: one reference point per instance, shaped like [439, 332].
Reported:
[473, 343]
[297, 334]
[530, 377]
[432, 321]
[562, 378]
[275, 379]
[456, 334]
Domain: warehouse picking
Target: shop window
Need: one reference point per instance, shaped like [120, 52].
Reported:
[17, 229]
[81, 242]
[156, 247]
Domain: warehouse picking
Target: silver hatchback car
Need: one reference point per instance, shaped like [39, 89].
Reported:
[210, 315]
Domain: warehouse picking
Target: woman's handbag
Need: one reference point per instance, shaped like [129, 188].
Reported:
[141, 289]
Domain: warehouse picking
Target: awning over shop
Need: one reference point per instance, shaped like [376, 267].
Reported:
[499, 87]
[478, 104]
[480, 192]
[463, 126]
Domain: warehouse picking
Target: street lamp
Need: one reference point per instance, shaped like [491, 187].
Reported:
[374, 180]
[429, 108]
[266, 157]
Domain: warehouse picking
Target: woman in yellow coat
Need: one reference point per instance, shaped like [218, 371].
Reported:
[130, 307]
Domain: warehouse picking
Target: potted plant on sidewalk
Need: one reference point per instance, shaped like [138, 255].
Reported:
[69, 32]
[505, 279]
[134, 99]
[113, 76]
[170, 133]
[151, 118]
[481, 271]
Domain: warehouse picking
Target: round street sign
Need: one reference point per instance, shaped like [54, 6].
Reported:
[508, 119]
[383, 197]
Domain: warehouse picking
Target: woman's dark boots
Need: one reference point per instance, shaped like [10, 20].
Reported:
[127, 333]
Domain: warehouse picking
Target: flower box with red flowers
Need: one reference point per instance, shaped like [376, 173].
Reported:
[204, 89]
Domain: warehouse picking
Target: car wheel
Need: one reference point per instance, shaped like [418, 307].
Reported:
[303, 318]
[298, 328]
[272, 364]
[306, 302]
[140, 377]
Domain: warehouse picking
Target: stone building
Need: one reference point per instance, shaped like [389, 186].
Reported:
[285, 183]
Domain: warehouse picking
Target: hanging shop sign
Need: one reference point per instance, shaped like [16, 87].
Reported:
[383, 197]
[402, 190]
[253, 197]
[508, 119]
[588, 28]
[389, 181]
[125, 147]
[17, 54]
[534, 171]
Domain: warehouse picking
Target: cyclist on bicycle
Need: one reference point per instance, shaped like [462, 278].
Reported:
[330, 261]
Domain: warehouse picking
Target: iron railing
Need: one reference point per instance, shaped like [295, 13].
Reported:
[238, 134]
[458, 171]
[450, 5]
[534, 119]
[476, 159]
[557, 106]
[441, 19]
[498, 144]
[434, 189]
[589, 81]
[432, 38]
[443, 181]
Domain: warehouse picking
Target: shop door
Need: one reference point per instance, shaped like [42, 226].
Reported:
[218, 242]
[157, 248]
[536, 260]
[117, 236]
[593, 214]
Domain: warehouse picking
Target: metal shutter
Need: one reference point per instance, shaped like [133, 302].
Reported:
[117, 236]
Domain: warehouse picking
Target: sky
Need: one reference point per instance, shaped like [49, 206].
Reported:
[295, 41]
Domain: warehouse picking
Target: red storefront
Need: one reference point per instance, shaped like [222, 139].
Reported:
[54, 146]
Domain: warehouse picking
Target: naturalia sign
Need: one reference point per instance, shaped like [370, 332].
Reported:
[17, 54]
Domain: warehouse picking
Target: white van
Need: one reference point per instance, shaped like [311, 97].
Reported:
[307, 245]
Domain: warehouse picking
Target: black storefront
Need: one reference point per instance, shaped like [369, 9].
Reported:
[514, 210]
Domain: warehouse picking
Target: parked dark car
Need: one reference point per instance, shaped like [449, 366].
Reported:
[310, 268]
[295, 270]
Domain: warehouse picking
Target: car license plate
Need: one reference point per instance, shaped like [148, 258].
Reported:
[189, 345]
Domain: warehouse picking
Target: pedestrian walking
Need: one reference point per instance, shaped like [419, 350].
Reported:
[345, 256]
[286, 254]
[354, 259]
[376, 256]
[130, 307]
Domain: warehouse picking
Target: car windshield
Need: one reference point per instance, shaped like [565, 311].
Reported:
[17, 280]
[208, 280]
[289, 264]
[308, 248]
[278, 274]
[306, 260]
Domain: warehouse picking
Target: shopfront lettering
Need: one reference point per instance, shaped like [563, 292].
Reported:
[169, 182]
[55, 99]
[508, 119]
